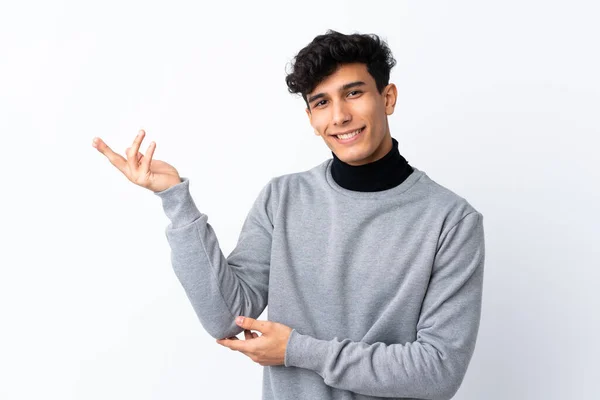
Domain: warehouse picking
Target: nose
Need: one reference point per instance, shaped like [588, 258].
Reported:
[340, 114]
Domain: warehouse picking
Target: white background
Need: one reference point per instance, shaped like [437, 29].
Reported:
[498, 101]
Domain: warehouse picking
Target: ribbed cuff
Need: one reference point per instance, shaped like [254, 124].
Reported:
[178, 204]
[304, 351]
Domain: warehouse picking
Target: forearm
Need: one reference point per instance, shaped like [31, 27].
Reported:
[411, 370]
[218, 289]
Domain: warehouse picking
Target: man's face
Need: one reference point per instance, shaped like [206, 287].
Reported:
[348, 100]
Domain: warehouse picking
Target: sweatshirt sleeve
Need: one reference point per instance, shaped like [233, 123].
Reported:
[434, 365]
[219, 288]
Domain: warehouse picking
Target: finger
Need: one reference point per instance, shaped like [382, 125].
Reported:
[247, 334]
[228, 338]
[253, 324]
[230, 343]
[115, 159]
[147, 160]
[133, 150]
[139, 155]
[254, 335]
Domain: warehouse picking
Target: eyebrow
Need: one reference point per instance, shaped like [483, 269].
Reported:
[341, 89]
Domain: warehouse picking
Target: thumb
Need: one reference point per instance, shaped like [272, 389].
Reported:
[250, 323]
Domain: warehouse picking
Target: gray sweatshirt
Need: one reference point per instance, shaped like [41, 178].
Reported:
[383, 289]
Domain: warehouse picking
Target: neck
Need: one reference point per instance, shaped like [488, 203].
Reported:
[385, 173]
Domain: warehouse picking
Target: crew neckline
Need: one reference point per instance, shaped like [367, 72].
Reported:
[382, 194]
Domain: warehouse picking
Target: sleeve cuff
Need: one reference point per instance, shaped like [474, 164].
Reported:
[304, 351]
[178, 204]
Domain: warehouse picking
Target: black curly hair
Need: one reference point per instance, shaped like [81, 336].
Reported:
[321, 57]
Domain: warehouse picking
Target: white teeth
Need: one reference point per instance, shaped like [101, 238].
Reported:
[349, 135]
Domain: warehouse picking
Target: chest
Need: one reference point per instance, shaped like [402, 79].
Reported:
[354, 253]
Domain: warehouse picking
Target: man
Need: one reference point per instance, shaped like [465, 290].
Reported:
[372, 271]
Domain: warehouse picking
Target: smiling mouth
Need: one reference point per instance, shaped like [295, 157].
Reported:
[350, 135]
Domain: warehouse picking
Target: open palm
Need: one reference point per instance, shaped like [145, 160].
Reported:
[141, 169]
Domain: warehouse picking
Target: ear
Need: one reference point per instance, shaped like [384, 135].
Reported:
[390, 95]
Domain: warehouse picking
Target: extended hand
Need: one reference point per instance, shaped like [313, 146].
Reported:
[267, 349]
[140, 169]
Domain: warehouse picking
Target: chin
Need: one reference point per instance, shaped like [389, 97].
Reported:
[350, 157]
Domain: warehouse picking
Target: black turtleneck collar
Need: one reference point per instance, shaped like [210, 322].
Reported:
[385, 173]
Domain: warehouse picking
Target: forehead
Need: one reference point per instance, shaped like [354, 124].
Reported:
[344, 74]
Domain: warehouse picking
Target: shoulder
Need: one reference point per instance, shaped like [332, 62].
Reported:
[451, 206]
[301, 179]
[290, 188]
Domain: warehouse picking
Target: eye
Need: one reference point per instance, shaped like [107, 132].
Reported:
[355, 91]
[317, 105]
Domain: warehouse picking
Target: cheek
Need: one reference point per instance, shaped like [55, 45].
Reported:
[366, 112]
[376, 117]
[320, 124]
